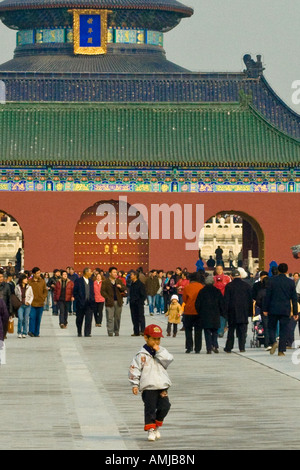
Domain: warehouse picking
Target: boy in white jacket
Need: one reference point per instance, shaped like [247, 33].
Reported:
[148, 375]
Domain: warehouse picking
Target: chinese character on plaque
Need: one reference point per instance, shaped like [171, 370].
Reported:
[90, 31]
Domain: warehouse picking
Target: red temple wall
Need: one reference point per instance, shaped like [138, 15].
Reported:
[48, 221]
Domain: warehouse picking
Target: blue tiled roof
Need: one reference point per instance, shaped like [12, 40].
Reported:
[60, 59]
[159, 15]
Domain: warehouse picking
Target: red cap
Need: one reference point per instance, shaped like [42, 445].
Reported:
[154, 331]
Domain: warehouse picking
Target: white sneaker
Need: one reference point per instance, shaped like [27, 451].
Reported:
[157, 433]
[19, 336]
[151, 435]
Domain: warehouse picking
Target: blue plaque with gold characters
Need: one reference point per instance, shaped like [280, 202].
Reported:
[90, 31]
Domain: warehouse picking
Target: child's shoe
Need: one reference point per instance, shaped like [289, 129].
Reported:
[151, 434]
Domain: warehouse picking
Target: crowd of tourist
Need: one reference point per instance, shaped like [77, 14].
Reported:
[211, 301]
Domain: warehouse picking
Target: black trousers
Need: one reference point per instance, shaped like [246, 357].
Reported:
[98, 312]
[265, 322]
[156, 407]
[84, 313]
[63, 308]
[137, 317]
[167, 300]
[241, 333]
[284, 328]
[211, 338]
[192, 322]
[175, 328]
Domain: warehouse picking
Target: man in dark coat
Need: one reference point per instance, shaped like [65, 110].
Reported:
[280, 296]
[51, 286]
[4, 317]
[5, 292]
[210, 306]
[257, 286]
[137, 299]
[85, 298]
[238, 308]
[219, 256]
[18, 260]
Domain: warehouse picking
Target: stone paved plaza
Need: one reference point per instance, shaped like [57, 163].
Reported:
[64, 392]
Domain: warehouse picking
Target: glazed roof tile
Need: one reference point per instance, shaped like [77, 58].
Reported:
[165, 5]
[181, 87]
[147, 135]
[108, 63]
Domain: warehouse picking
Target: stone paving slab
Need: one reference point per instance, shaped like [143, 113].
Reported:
[63, 392]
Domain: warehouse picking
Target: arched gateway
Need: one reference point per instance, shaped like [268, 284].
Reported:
[236, 232]
[11, 239]
[103, 239]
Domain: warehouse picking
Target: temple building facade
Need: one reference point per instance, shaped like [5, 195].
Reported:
[96, 116]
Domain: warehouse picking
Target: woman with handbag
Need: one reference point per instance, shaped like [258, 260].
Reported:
[24, 294]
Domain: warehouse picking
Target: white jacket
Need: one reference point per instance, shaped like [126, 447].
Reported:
[28, 294]
[148, 372]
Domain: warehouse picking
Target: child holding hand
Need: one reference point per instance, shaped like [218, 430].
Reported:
[148, 375]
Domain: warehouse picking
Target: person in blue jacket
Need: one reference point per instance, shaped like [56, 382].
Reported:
[280, 302]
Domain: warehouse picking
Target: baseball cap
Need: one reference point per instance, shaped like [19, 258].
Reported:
[263, 273]
[235, 273]
[154, 331]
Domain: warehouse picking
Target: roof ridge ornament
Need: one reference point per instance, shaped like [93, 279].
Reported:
[296, 251]
[245, 99]
[254, 69]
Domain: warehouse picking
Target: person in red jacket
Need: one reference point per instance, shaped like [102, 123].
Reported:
[99, 300]
[63, 295]
[220, 282]
[180, 285]
[221, 279]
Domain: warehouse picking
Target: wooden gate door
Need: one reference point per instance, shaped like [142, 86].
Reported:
[90, 251]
